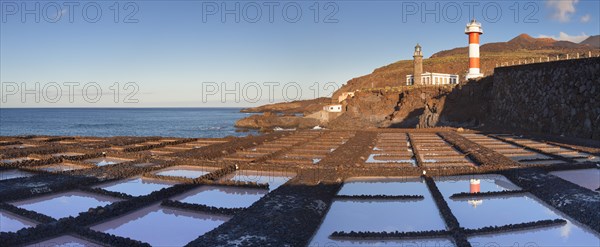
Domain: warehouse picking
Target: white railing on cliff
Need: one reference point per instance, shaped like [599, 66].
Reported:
[547, 59]
[404, 88]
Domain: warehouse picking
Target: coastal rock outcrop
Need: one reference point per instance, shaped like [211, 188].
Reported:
[269, 121]
[300, 106]
[411, 107]
[430, 117]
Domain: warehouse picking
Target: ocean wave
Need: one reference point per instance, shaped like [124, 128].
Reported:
[205, 128]
[282, 129]
[212, 128]
[97, 125]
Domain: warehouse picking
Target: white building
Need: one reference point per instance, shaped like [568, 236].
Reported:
[333, 108]
[429, 78]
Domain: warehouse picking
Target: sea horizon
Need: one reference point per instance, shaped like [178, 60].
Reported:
[184, 122]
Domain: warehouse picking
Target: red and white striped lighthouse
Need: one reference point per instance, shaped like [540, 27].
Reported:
[474, 30]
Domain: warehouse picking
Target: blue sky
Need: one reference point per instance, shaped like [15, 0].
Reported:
[177, 51]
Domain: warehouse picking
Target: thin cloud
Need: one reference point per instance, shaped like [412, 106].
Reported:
[563, 9]
[58, 14]
[585, 18]
[566, 37]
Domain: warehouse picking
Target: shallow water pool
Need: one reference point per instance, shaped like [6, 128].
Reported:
[12, 223]
[382, 215]
[473, 183]
[499, 211]
[222, 196]
[437, 242]
[587, 178]
[14, 160]
[104, 161]
[185, 171]
[566, 235]
[64, 204]
[160, 226]
[274, 179]
[14, 173]
[384, 186]
[65, 241]
[61, 167]
[136, 186]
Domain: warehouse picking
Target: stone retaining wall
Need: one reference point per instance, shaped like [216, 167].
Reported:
[561, 98]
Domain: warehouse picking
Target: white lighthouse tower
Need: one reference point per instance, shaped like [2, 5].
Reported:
[474, 30]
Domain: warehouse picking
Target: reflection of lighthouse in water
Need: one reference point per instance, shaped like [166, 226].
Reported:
[475, 187]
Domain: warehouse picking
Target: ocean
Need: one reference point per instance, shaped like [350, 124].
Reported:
[106, 122]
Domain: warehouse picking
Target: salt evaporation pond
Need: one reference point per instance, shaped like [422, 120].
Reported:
[136, 186]
[511, 209]
[274, 179]
[65, 241]
[487, 183]
[384, 186]
[67, 154]
[160, 226]
[222, 196]
[437, 242]
[499, 211]
[61, 167]
[541, 162]
[10, 161]
[18, 146]
[185, 171]
[587, 178]
[12, 223]
[104, 161]
[382, 215]
[64, 204]
[567, 235]
[530, 156]
[404, 216]
[373, 160]
[13, 173]
[145, 165]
